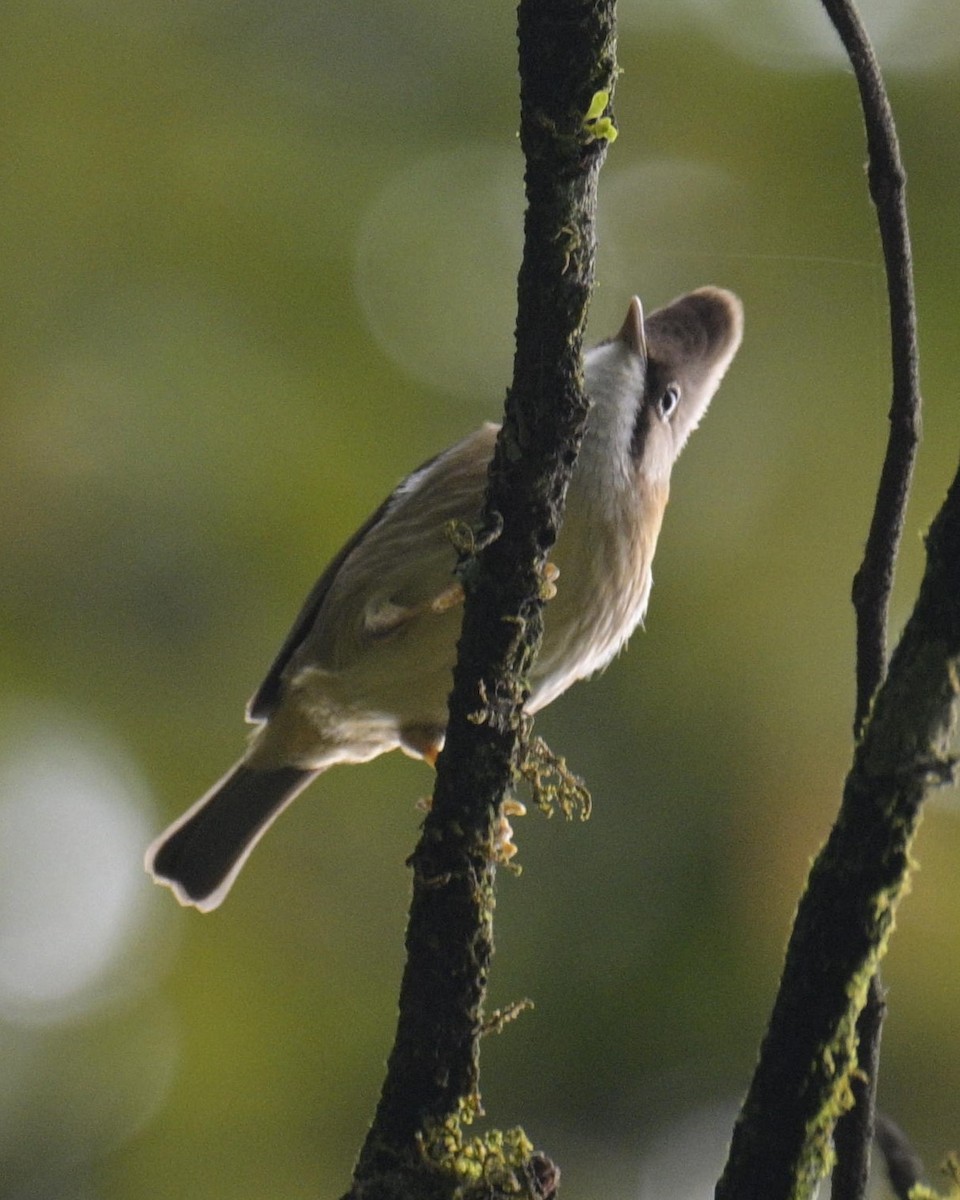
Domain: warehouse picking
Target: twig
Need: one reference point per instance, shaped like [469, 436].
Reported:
[806, 1077]
[904, 1168]
[873, 582]
[566, 59]
[887, 180]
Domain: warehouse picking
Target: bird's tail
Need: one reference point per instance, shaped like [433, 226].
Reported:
[199, 856]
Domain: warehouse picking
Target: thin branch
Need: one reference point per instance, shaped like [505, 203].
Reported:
[782, 1140]
[873, 582]
[903, 1165]
[887, 180]
[567, 56]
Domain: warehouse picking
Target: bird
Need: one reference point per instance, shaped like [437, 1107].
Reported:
[367, 665]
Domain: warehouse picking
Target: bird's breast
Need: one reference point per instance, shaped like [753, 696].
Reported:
[604, 557]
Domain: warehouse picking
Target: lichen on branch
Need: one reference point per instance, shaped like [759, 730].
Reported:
[567, 58]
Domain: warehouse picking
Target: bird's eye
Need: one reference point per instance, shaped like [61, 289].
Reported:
[667, 404]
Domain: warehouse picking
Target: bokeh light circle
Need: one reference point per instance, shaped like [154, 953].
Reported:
[453, 218]
[73, 811]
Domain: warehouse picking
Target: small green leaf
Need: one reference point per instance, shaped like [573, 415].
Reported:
[597, 105]
[597, 126]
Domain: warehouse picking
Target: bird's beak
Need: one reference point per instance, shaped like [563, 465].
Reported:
[631, 331]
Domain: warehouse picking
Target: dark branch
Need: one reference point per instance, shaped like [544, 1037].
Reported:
[829, 1011]
[873, 582]
[887, 180]
[904, 1168]
[566, 57]
[781, 1142]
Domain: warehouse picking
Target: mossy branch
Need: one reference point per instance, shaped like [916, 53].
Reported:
[782, 1140]
[822, 1047]
[873, 582]
[567, 57]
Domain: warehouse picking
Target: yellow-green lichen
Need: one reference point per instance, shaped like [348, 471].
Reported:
[951, 1168]
[838, 1067]
[493, 1160]
[552, 784]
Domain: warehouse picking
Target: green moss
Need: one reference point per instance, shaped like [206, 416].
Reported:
[951, 1168]
[493, 1160]
[552, 784]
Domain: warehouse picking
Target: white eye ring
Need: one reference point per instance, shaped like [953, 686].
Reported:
[667, 404]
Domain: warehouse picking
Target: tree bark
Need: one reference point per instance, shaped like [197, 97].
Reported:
[567, 58]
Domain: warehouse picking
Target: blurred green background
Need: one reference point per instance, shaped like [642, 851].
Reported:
[258, 262]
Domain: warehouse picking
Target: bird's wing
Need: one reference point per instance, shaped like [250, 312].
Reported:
[396, 567]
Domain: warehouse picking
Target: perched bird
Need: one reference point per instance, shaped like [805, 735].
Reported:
[367, 666]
